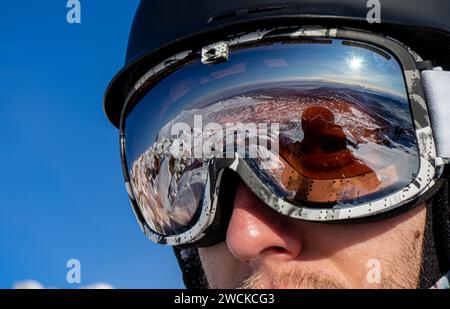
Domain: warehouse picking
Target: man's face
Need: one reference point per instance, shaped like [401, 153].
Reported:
[264, 249]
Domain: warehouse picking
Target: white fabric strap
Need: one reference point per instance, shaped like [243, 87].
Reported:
[437, 92]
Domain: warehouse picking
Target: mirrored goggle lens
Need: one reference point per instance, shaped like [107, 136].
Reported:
[323, 124]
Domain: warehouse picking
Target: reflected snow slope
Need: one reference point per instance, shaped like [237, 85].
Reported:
[359, 133]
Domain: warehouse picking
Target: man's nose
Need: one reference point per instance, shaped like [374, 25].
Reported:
[257, 231]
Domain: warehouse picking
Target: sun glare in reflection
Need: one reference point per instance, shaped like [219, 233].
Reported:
[355, 63]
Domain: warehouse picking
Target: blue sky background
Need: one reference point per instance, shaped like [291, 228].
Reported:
[61, 190]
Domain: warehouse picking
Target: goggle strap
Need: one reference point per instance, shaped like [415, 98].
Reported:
[437, 91]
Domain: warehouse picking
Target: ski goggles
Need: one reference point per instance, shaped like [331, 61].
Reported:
[323, 125]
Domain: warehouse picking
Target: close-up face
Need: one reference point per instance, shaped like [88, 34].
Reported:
[287, 162]
[266, 250]
[224, 147]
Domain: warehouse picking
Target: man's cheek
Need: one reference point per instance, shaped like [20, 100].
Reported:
[221, 269]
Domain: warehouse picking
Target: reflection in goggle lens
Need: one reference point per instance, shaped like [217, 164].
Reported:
[345, 130]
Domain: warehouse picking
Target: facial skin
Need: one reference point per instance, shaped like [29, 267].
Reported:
[264, 249]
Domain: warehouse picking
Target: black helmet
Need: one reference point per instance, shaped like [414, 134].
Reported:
[166, 27]
[175, 24]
